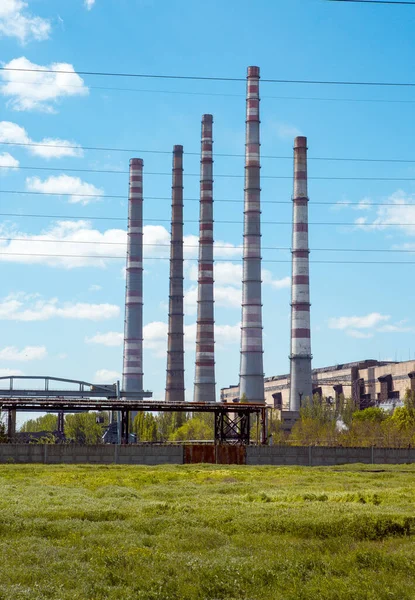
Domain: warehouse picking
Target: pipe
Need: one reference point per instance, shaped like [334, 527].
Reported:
[251, 378]
[175, 343]
[204, 384]
[300, 380]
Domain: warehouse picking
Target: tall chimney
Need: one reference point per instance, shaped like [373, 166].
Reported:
[204, 388]
[175, 344]
[133, 327]
[301, 382]
[251, 378]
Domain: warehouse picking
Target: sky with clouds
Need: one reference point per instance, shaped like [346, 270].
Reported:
[64, 203]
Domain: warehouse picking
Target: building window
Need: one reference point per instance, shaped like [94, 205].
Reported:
[277, 397]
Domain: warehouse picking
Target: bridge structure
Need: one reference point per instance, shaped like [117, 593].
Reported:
[57, 395]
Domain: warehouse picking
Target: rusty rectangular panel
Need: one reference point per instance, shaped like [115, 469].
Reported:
[231, 455]
[222, 454]
[199, 453]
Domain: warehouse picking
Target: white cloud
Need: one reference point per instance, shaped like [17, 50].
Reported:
[106, 376]
[287, 131]
[399, 327]
[56, 148]
[279, 284]
[95, 288]
[13, 133]
[358, 334]
[155, 336]
[25, 307]
[111, 338]
[7, 161]
[10, 372]
[229, 273]
[65, 247]
[28, 353]
[80, 191]
[16, 22]
[353, 326]
[89, 4]
[365, 322]
[36, 90]
[364, 204]
[396, 214]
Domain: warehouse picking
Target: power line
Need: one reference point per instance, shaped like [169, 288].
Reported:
[375, 1]
[216, 246]
[222, 95]
[219, 155]
[220, 175]
[157, 220]
[326, 262]
[207, 78]
[220, 200]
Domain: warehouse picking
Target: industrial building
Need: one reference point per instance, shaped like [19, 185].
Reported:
[368, 382]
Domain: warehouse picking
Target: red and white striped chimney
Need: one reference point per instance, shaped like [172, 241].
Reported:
[251, 378]
[175, 344]
[133, 326]
[204, 387]
[301, 380]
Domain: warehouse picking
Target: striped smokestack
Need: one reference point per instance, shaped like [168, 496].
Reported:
[301, 385]
[133, 326]
[175, 344]
[251, 378]
[204, 389]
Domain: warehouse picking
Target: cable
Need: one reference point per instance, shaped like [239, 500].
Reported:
[92, 218]
[182, 93]
[206, 78]
[375, 1]
[224, 175]
[158, 245]
[219, 155]
[220, 200]
[337, 262]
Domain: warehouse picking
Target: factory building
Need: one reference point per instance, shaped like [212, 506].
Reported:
[369, 382]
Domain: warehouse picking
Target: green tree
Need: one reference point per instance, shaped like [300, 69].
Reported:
[45, 423]
[145, 427]
[194, 429]
[371, 414]
[83, 428]
[168, 423]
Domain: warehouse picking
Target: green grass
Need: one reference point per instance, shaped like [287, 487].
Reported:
[206, 532]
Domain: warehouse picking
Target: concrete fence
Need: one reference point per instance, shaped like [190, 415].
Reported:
[104, 454]
[147, 454]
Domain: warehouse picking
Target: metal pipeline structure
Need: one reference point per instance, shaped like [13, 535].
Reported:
[251, 377]
[133, 326]
[175, 343]
[301, 379]
[204, 384]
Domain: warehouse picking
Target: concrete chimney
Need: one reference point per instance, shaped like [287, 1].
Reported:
[204, 388]
[133, 326]
[301, 380]
[175, 344]
[251, 378]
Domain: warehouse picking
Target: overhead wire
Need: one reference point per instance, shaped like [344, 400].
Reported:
[195, 246]
[345, 204]
[219, 154]
[6, 69]
[223, 95]
[103, 257]
[220, 175]
[366, 226]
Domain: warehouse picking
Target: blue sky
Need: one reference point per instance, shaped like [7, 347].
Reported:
[64, 316]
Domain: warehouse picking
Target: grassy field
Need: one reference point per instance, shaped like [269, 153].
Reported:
[206, 532]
